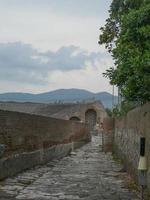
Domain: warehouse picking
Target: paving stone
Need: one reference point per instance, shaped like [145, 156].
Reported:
[90, 174]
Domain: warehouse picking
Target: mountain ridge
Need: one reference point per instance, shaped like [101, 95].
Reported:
[60, 95]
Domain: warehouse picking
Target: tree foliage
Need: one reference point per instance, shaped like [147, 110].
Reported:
[126, 35]
[122, 109]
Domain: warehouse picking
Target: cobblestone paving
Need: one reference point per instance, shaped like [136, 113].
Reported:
[88, 175]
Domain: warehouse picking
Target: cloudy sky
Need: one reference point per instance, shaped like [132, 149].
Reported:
[52, 44]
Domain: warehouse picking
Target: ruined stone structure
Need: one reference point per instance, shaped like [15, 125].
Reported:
[33, 133]
[92, 113]
[40, 133]
[30, 140]
[128, 131]
[122, 135]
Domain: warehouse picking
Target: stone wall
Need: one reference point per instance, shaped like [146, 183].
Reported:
[108, 134]
[128, 131]
[31, 140]
[59, 111]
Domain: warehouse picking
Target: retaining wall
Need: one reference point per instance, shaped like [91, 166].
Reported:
[31, 140]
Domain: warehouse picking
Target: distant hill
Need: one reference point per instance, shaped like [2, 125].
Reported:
[61, 95]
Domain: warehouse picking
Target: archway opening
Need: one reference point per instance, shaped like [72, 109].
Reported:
[74, 118]
[91, 118]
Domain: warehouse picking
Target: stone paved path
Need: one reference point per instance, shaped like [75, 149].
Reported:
[88, 175]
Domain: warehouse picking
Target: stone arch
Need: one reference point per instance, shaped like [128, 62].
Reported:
[91, 118]
[74, 118]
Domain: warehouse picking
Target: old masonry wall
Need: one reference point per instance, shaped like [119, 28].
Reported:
[29, 140]
[127, 134]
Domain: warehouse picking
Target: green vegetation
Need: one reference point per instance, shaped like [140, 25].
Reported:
[123, 108]
[126, 35]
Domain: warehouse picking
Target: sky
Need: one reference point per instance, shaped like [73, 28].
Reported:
[51, 44]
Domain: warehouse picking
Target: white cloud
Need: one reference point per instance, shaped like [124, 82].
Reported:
[88, 78]
[45, 28]
[69, 66]
[51, 25]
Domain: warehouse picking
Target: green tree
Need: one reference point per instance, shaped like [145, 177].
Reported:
[126, 35]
